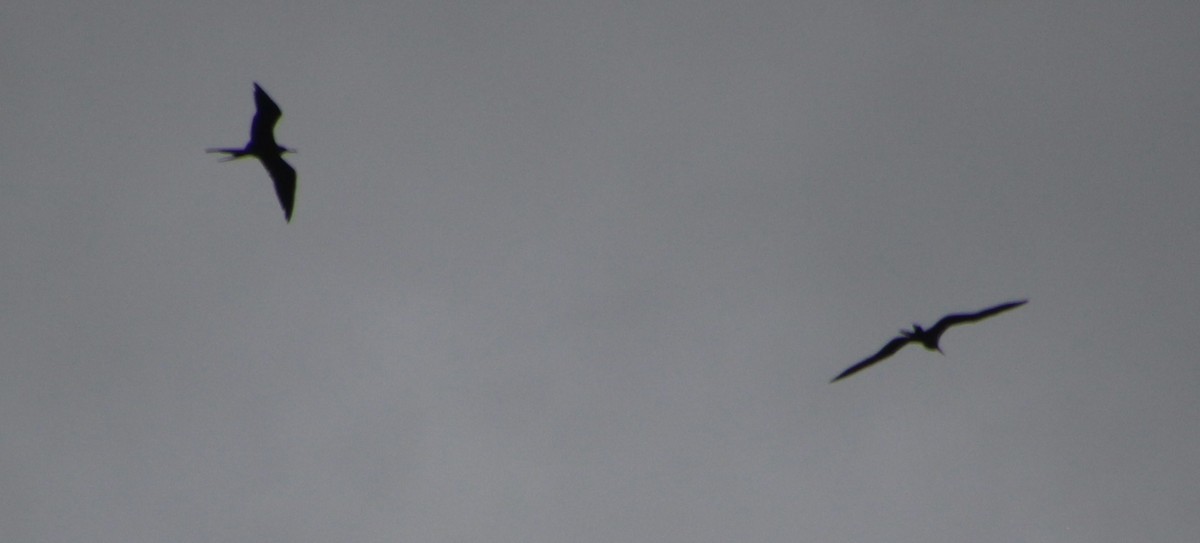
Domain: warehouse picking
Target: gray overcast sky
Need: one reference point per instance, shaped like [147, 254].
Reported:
[581, 272]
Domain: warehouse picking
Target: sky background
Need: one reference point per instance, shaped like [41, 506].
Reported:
[572, 271]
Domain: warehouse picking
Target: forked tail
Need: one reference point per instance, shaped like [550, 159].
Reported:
[233, 153]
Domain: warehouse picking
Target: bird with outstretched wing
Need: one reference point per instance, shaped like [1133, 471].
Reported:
[927, 338]
[262, 146]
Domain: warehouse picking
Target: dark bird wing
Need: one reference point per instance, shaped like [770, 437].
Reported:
[960, 318]
[887, 350]
[285, 182]
[262, 128]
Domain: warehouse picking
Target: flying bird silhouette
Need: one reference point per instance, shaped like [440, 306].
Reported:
[263, 147]
[927, 338]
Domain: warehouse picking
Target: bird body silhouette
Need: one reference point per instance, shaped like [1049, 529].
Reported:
[927, 338]
[263, 147]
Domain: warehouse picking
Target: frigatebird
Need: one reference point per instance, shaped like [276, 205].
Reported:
[263, 147]
[927, 338]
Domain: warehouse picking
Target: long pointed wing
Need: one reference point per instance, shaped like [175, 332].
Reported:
[262, 128]
[887, 350]
[285, 182]
[960, 318]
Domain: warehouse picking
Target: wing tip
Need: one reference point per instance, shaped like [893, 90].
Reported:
[1014, 304]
